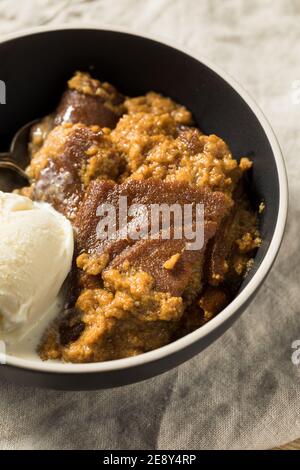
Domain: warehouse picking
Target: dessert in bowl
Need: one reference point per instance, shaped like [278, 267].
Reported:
[135, 306]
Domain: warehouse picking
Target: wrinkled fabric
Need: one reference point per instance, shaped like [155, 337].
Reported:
[243, 392]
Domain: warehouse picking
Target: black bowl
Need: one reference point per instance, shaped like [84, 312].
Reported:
[35, 68]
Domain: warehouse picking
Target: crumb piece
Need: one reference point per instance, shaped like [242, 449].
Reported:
[92, 265]
[171, 262]
[239, 264]
[245, 164]
[248, 242]
[261, 207]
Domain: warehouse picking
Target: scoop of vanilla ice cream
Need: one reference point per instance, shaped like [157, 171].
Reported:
[36, 250]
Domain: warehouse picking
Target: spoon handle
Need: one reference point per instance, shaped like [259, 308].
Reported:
[5, 156]
[7, 163]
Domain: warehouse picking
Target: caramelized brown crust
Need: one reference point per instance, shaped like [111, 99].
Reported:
[77, 107]
[150, 255]
[90, 102]
[71, 156]
[146, 192]
[86, 101]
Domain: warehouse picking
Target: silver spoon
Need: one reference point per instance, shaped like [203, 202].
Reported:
[17, 158]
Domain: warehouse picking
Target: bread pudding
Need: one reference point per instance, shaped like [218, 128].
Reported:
[131, 294]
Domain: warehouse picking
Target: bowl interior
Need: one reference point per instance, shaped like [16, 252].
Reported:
[35, 69]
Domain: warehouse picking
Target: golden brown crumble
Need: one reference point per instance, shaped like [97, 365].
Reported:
[121, 320]
[154, 147]
[92, 265]
[154, 103]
